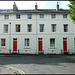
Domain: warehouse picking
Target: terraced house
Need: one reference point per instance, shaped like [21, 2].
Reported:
[47, 31]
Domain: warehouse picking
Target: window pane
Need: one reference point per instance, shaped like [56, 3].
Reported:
[26, 42]
[17, 28]
[2, 42]
[64, 15]
[53, 27]
[53, 16]
[29, 16]
[41, 15]
[17, 16]
[29, 27]
[41, 27]
[65, 28]
[5, 28]
[6, 16]
[52, 42]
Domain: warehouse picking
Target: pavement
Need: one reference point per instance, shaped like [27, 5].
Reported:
[37, 64]
[10, 70]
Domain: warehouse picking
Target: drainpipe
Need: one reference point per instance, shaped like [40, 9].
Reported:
[36, 35]
[10, 38]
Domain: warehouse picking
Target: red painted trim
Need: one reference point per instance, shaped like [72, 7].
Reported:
[14, 45]
[65, 44]
[40, 44]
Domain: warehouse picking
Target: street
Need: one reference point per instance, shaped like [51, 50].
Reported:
[41, 64]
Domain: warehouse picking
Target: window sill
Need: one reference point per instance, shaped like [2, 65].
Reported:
[27, 48]
[3, 47]
[52, 48]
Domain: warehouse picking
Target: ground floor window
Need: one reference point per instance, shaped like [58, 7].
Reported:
[52, 42]
[3, 42]
[27, 42]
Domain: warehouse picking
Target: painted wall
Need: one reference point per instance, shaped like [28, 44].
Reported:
[35, 34]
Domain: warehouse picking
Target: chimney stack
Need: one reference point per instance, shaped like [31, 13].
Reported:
[15, 7]
[36, 7]
[57, 6]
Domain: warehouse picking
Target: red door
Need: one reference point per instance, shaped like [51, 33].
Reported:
[65, 44]
[40, 44]
[15, 45]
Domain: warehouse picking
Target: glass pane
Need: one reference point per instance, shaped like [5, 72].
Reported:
[41, 28]
[29, 16]
[2, 42]
[5, 28]
[26, 42]
[17, 28]
[41, 15]
[52, 42]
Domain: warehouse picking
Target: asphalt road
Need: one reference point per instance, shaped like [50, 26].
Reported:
[41, 64]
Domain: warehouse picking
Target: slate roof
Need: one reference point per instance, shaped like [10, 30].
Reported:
[10, 11]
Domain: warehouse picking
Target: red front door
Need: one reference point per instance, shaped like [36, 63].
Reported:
[40, 44]
[65, 44]
[15, 45]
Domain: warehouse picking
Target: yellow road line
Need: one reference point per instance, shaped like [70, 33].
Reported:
[17, 69]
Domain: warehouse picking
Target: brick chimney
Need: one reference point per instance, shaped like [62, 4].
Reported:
[36, 6]
[15, 7]
[57, 6]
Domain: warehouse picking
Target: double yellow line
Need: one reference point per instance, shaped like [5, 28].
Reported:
[17, 69]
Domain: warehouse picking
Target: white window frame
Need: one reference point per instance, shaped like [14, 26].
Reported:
[19, 29]
[6, 16]
[53, 27]
[53, 16]
[1, 42]
[52, 45]
[65, 29]
[64, 15]
[41, 15]
[5, 30]
[17, 16]
[29, 16]
[26, 43]
[41, 27]
[29, 29]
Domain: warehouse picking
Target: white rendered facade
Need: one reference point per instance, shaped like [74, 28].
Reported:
[34, 35]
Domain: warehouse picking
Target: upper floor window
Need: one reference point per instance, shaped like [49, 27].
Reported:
[41, 15]
[29, 27]
[41, 27]
[52, 42]
[17, 27]
[29, 16]
[53, 15]
[17, 16]
[65, 27]
[6, 28]
[64, 15]
[3, 42]
[53, 27]
[6, 16]
[27, 42]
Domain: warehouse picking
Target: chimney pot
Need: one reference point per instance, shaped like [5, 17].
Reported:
[36, 7]
[57, 6]
[15, 7]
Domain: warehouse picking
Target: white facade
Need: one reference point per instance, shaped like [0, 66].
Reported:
[35, 33]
